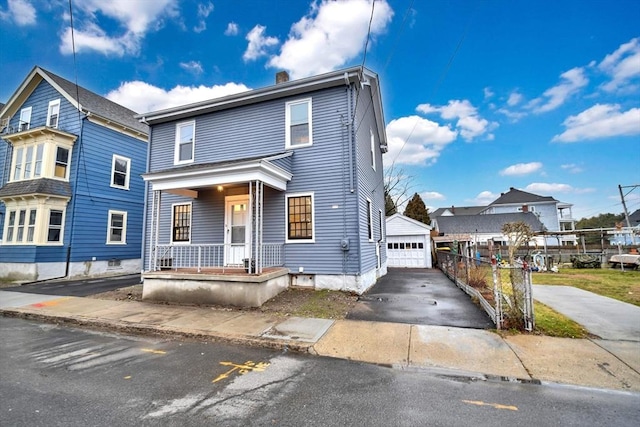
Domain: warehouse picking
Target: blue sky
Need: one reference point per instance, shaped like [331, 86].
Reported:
[479, 96]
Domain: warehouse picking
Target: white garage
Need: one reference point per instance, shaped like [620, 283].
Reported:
[408, 243]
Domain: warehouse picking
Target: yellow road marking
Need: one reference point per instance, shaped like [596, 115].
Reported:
[493, 405]
[248, 366]
[128, 377]
[150, 350]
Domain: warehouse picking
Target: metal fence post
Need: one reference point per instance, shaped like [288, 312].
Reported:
[496, 294]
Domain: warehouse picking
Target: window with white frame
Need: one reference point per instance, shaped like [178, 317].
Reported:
[17, 168]
[120, 167]
[298, 123]
[381, 219]
[11, 221]
[373, 149]
[31, 225]
[53, 113]
[300, 214]
[25, 119]
[54, 232]
[369, 220]
[185, 142]
[117, 227]
[181, 223]
[31, 222]
[37, 172]
[62, 163]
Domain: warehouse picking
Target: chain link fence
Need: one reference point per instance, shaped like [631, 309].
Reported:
[504, 292]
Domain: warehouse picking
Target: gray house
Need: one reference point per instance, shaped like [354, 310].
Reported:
[256, 191]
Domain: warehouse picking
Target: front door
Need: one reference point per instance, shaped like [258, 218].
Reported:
[237, 231]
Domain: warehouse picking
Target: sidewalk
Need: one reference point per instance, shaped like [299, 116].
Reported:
[477, 353]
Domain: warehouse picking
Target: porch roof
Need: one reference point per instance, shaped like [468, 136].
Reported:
[203, 175]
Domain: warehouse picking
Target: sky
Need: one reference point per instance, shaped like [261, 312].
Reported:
[478, 96]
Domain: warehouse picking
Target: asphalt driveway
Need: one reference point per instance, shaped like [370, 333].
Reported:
[419, 297]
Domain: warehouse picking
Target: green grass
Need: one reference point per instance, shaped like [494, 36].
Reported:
[612, 283]
[551, 323]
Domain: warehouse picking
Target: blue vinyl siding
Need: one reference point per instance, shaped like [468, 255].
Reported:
[86, 216]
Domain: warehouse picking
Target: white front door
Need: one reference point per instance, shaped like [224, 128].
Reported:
[237, 232]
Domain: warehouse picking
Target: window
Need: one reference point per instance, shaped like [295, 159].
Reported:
[53, 113]
[32, 225]
[181, 223]
[373, 150]
[300, 226]
[117, 229]
[17, 171]
[38, 166]
[62, 162]
[298, 123]
[120, 167]
[369, 220]
[25, 119]
[185, 142]
[28, 161]
[10, 225]
[381, 218]
[22, 215]
[54, 233]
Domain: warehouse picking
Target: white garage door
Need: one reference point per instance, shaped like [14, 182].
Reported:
[407, 251]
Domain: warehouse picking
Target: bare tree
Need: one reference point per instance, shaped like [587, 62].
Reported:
[397, 188]
[517, 233]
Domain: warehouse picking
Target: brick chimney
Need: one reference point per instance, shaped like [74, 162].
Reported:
[282, 77]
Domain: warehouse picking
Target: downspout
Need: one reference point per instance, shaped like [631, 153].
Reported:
[352, 118]
[74, 196]
[146, 201]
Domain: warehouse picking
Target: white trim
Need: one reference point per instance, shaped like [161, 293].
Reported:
[190, 223]
[113, 170]
[54, 103]
[48, 223]
[382, 223]
[26, 111]
[370, 235]
[55, 162]
[286, 218]
[229, 201]
[176, 148]
[287, 115]
[373, 149]
[124, 227]
[42, 205]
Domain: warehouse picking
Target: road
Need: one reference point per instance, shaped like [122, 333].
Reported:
[78, 287]
[61, 376]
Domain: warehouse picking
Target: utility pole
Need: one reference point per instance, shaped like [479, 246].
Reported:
[624, 207]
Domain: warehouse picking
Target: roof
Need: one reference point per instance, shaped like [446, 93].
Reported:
[81, 98]
[485, 223]
[634, 218]
[457, 210]
[515, 196]
[400, 225]
[358, 75]
[47, 186]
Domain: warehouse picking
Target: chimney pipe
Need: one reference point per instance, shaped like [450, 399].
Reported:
[282, 77]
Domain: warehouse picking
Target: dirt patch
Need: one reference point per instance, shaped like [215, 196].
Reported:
[290, 303]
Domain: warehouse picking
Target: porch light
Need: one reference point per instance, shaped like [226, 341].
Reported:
[220, 188]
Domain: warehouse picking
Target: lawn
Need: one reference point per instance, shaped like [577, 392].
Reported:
[608, 282]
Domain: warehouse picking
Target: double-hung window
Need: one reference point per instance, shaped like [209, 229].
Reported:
[17, 170]
[300, 226]
[120, 167]
[54, 233]
[373, 149]
[31, 226]
[117, 229]
[53, 113]
[10, 226]
[381, 218]
[62, 162]
[369, 221]
[181, 223]
[37, 172]
[298, 123]
[185, 142]
[25, 119]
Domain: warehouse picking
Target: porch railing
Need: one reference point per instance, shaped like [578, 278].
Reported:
[173, 257]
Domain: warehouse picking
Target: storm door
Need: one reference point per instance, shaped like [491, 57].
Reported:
[237, 231]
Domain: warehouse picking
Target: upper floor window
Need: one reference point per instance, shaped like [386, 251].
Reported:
[37, 172]
[62, 163]
[373, 150]
[185, 142]
[181, 223]
[17, 168]
[25, 119]
[117, 228]
[53, 113]
[298, 122]
[300, 218]
[120, 167]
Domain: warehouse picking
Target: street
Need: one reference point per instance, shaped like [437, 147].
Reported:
[77, 287]
[61, 376]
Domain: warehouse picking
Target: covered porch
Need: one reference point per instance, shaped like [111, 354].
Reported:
[206, 232]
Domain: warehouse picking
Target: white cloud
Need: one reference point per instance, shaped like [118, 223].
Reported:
[194, 67]
[514, 116]
[232, 29]
[572, 168]
[488, 93]
[600, 121]
[469, 123]
[21, 12]
[571, 82]
[414, 140]
[432, 195]
[543, 187]
[258, 43]
[521, 169]
[622, 66]
[332, 33]
[484, 198]
[514, 99]
[135, 17]
[204, 9]
[143, 97]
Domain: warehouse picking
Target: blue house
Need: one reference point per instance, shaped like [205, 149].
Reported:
[254, 192]
[71, 190]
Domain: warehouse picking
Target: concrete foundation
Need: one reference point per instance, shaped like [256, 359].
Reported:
[350, 282]
[31, 272]
[222, 289]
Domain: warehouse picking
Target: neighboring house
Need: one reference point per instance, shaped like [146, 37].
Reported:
[555, 216]
[71, 188]
[625, 236]
[285, 180]
[408, 242]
